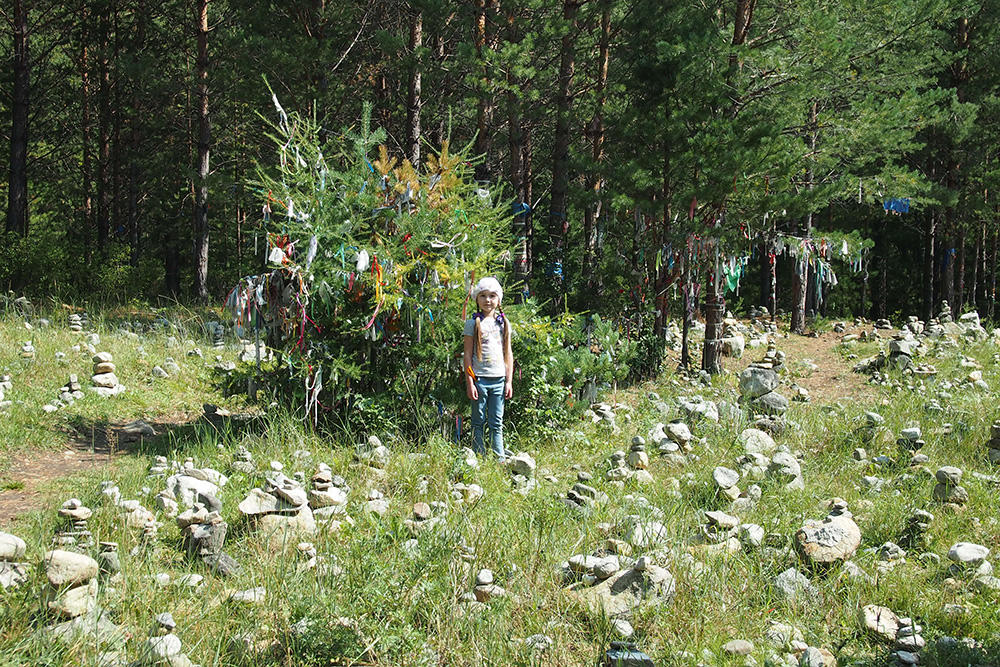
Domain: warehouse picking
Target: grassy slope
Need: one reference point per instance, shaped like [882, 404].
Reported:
[404, 604]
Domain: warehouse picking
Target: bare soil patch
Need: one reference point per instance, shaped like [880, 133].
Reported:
[31, 482]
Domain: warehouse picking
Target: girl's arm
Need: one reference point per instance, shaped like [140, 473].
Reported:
[508, 362]
[470, 382]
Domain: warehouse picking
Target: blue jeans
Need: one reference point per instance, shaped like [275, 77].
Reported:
[488, 410]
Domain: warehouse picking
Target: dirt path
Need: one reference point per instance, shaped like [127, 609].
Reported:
[32, 481]
[833, 380]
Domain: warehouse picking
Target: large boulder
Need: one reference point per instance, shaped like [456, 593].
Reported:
[620, 594]
[833, 539]
[68, 568]
[756, 382]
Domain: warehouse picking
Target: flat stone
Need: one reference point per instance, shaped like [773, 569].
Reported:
[968, 554]
[738, 647]
[12, 547]
[64, 568]
[755, 441]
[619, 595]
[722, 520]
[881, 621]
[105, 380]
[772, 403]
[793, 586]
[725, 478]
[949, 475]
[678, 432]
[105, 367]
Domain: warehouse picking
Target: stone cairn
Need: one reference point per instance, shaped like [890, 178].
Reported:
[757, 388]
[915, 534]
[218, 337]
[948, 489]
[204, 534]
[909, 443]
[993, 446]
[5, 385]
[28, 351]
[901, 349]
[969, 562]
[908, 643]
[163, 647]
[105, 381]
[75, 323]
[522, 468]
[68, 393]
[328, 495]
[76, 534]
[243, 461]
[944, 315]
[71, 583]
[13, 572]
[280, 510]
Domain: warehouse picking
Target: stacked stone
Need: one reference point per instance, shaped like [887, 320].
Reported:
[909, 443]
[243, 462]
[638, 459]
[5, 385]
[522, 468]
[834, 539]
[77, 534]
[733, 342]
[590, 569]
[163, 647]
[914, 325]
[969, 559]
[718, 533]
[328, 495]
[373, 454]
[280, 510]
[757, 388]
[13, 572]
[618, 470]
[915, 535]
[108, 562]
[583, 497]
[424, 518]
[671, 439]
[486, 589]
[204, 534]
[218, 337]
[105, 381]
[883, 324]
[944, 315]
[727, 479]
[602, 413]
[901, 350]
[993, 446]
[948, 489]
[75, 323]
[908, 643]
[72, 390]
[28, 351]
[71, 586]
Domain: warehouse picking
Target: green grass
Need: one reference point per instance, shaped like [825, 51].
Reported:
[403, 606]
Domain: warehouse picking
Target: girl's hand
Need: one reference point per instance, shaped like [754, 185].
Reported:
[471, 391]
[508, 389]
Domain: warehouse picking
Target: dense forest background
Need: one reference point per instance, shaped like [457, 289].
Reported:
[651, 152]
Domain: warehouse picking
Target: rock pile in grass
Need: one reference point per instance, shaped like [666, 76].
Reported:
[105, 381]
[74, 532]
[993, 445]
[948, 489]
[204, 534]
[71, 583]
[757, 390]
[831, 540]
[622, 593]
[280, 511]
[13, 570]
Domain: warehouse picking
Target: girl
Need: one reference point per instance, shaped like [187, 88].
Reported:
[489, 365]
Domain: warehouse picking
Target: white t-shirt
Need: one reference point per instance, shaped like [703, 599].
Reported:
[492, 363]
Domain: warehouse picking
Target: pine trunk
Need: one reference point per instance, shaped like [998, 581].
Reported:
[558, 224]
[17, 188]
[484, 92]
[413, 102]
[595, 177]
[927, 305]
[204, 143]
[104, 185]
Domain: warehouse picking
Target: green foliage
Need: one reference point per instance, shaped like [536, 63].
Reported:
[379, 304]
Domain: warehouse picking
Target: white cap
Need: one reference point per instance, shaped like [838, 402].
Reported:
[488, 285]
